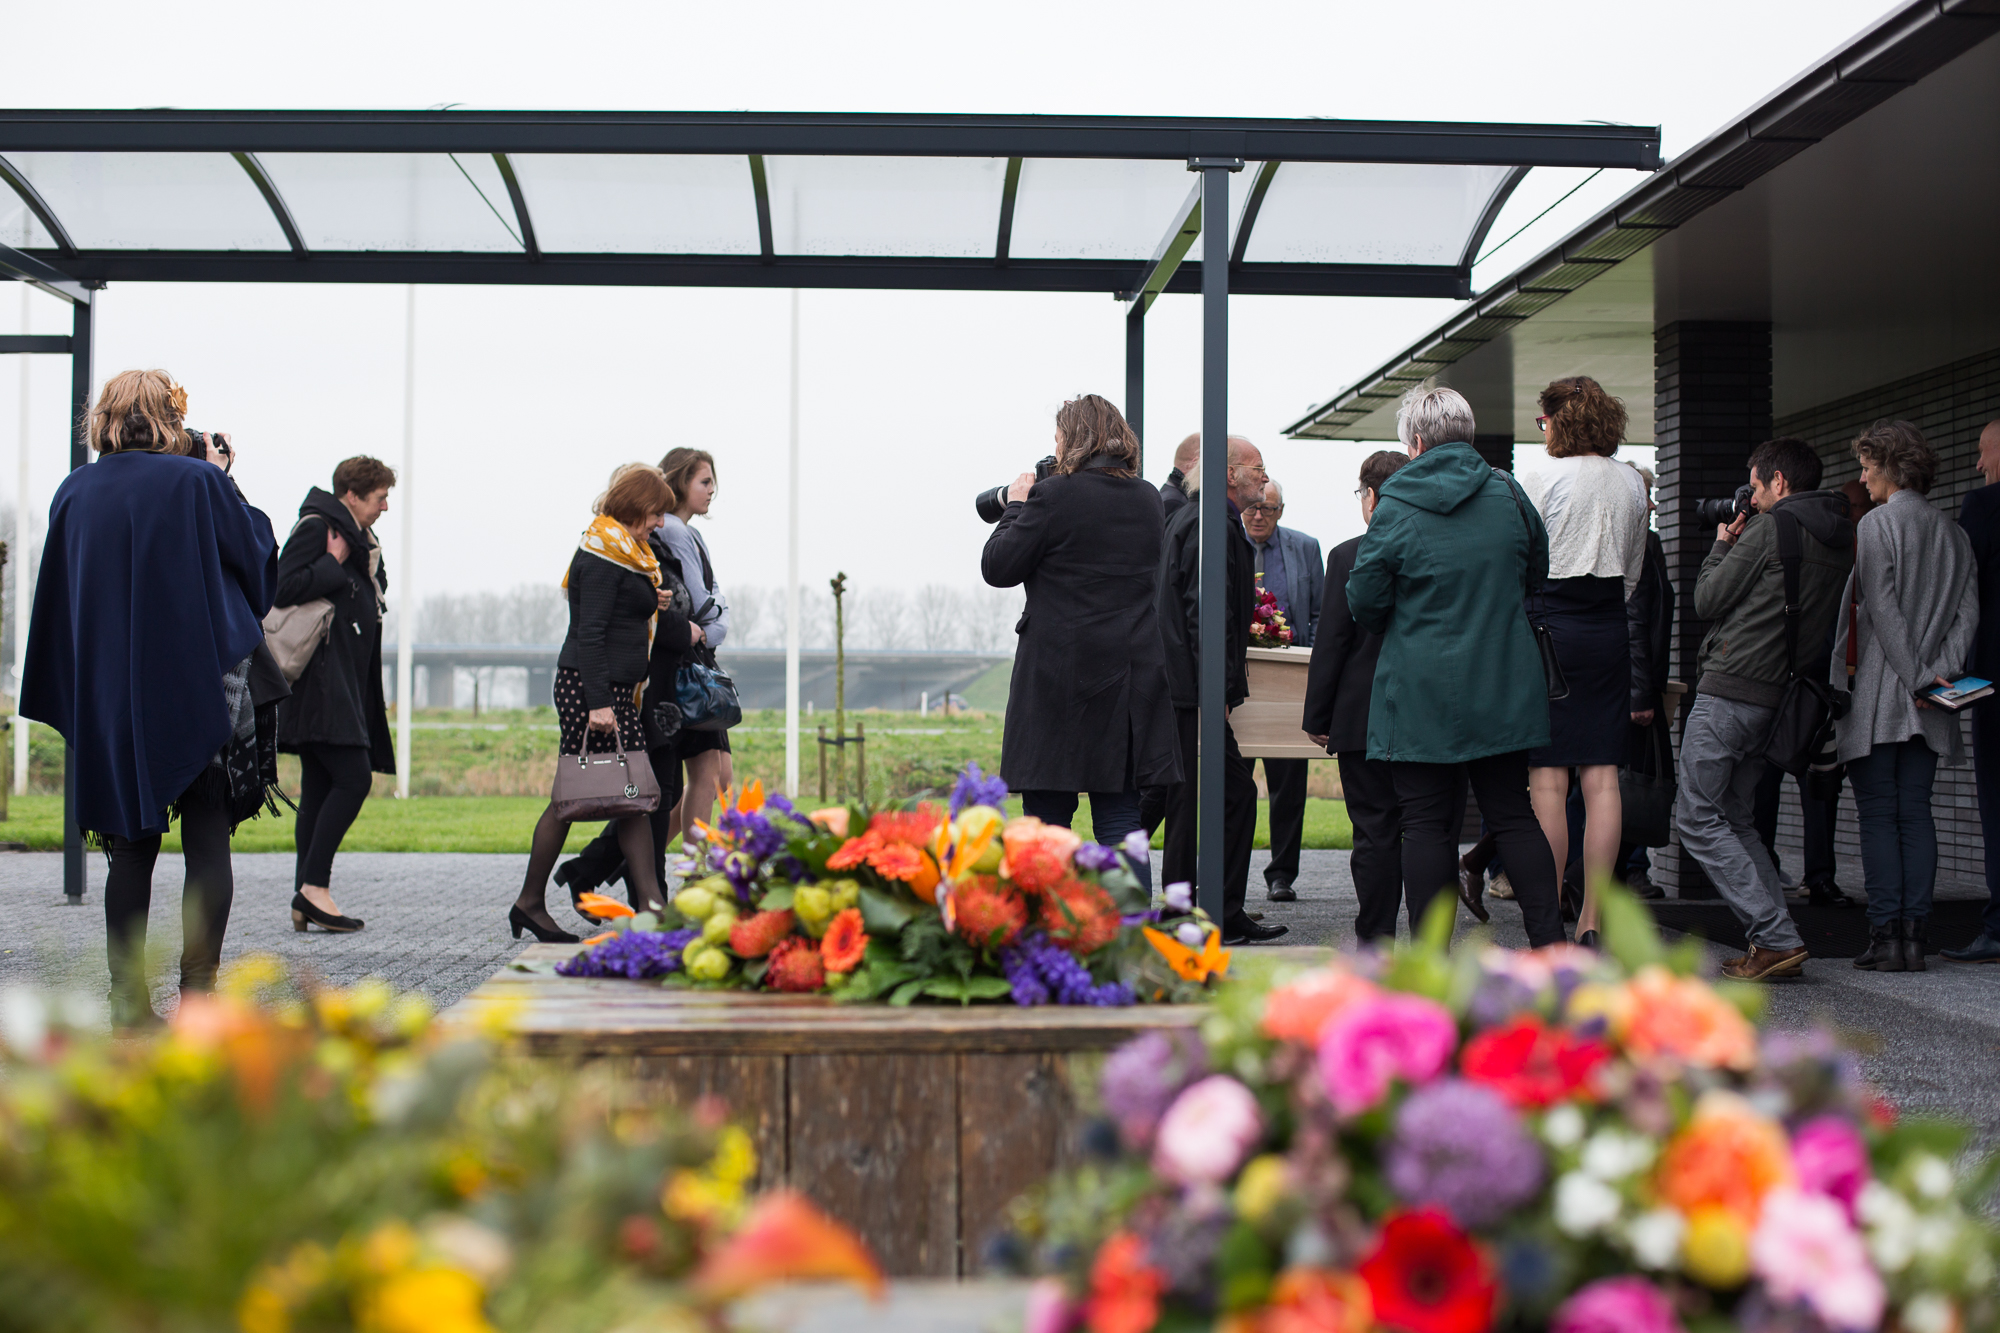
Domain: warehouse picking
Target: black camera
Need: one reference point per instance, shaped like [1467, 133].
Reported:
[991, 504]
[203, 439]
[1720, 512]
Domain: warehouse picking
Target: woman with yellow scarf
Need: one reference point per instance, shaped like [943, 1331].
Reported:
[614, 592]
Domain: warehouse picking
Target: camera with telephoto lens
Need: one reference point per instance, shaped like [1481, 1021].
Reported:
[1721, 512]
[991, 504]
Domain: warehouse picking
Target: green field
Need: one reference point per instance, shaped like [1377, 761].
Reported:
[479, 784]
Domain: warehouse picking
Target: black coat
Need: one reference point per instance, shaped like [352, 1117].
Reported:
[1180, 606]
[1979, 515]
[672, 640]
[1649, 627]
[1088, 708]
[338, 701]
[1173, 495]
[609, 606]
[1340, 679]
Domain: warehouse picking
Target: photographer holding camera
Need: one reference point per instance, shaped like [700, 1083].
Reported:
[1744, 668]
[1088, 710]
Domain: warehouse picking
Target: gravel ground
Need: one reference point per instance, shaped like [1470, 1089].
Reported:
[437, 924]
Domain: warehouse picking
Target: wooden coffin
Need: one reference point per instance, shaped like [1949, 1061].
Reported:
[1267, 723]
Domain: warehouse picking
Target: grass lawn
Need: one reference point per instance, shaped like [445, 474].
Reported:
[504, 823]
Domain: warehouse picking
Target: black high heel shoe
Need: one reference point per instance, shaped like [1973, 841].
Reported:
[303, 911]
[519, 920]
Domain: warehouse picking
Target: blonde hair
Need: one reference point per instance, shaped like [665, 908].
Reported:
[635, 491]
[140, 409]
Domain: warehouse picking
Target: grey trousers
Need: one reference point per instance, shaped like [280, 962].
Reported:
[1722, 760]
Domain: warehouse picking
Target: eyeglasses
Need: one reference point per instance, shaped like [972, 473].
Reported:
[1265, 509]
[1257, 468]
[1542, 424]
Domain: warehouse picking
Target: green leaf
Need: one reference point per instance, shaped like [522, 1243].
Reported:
[908, 991]
[1630, 933]
[1244, 1264]
[777, 899]
[883, 914]
[755, 968]
[967, 989]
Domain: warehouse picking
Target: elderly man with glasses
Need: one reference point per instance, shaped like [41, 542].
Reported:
[1292, 570]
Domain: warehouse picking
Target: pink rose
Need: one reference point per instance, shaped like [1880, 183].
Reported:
[1831, 1159]
[1388, 1036]
[1207, 1132]
[1616, 1305]
[1050, 1309]
[1806, 1250]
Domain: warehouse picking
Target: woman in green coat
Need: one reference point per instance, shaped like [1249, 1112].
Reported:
[1459, 693]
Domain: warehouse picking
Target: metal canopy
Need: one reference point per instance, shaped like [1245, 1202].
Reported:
[1004, 203]
[979, 203]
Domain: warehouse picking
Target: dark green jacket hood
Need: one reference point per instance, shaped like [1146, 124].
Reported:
[1440, 479]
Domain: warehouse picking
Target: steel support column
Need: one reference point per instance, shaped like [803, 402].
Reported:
[81, 362]
[1213, 589]
[1135, 376]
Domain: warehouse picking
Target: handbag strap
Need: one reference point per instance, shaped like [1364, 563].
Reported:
[617, 738]
[1790, 556]
[1521, 507]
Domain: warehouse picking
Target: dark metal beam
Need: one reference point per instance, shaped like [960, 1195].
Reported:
[873, 135]
[1008, 189]
[811, 271]
[275, 201]
[766, 252]
[27, 268]
[1135, 377]
[24, 343]
[37, 205]
[520, 202]
[1213, 578]
[1252, 202]
[1169, 253]
[1490, 216]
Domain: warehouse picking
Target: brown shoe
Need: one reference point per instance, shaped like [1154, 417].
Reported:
[1762, 964]
[1472, 892]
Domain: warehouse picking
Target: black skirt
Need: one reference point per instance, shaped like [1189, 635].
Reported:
[1588, 728]
[574, 717]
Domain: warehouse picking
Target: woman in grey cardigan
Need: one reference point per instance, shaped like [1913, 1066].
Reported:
[1912, 605]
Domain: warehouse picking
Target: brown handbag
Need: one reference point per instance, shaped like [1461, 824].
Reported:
[593, 787]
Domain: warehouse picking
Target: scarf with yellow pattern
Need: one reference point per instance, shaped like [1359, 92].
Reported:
[607, 539]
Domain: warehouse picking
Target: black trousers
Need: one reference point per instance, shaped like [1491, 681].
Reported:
[1986, 772]
[205, 898]
[1239, 814]
[602, 861]
[1816, 817]
[333, 782]
[1377, 864]
[1286, 781]
[1433, 801]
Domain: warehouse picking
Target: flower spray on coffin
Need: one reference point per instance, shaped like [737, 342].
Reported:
[1434, 1141]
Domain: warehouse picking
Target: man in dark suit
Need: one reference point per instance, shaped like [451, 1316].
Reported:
[1291, 570]
[1339, 683]
[1174, 491]
[1979, 515]
[1180, 631]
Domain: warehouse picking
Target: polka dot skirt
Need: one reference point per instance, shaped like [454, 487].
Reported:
[574, 716]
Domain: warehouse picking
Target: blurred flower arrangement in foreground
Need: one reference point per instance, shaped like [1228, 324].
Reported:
[956, 904]
[275, 1162]
[1438, 1142]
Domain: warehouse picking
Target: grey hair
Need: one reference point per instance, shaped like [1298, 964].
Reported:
[1191, 481]
[1276, 487]
[1437, 415]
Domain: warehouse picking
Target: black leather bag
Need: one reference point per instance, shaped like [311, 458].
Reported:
[706, 698]
[1647, 792]
[1545, 638]
[1802, 739]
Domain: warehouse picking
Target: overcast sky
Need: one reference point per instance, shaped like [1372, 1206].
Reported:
[528, 397]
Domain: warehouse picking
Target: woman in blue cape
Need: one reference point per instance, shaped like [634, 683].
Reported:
[155, 579]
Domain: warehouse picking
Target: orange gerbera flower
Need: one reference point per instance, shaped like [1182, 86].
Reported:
[1315, 1300]
[845, 943]
[914, 827]
[1038, 854]
[1212, 960]
[1298, 1010]
[1684, 1018]
[786, 1239]
[897, 861]
[1124, 1288]
[1728, 1157]
[602, 908]
[854, 851]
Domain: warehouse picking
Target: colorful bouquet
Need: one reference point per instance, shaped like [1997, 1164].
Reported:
[1268, 628]
[281, 1162]
[958, 903]
[1435, 1143]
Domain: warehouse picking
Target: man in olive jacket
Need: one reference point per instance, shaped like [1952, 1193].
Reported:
[1459, 690]
[1741, 591]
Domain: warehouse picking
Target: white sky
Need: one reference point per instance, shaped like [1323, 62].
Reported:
[910, 402]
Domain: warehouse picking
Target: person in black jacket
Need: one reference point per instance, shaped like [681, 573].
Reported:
[1979, 515]
[1340, 682]
[674, 642]
[336, 721]
[616, 591]
[1088, 709]
[1649, 630]
[1174, 490]
[1180, 630]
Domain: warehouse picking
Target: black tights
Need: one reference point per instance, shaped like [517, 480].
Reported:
[333, 782]
[635, 839]
[205, 900]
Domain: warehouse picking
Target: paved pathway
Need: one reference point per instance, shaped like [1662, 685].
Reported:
[437, 923]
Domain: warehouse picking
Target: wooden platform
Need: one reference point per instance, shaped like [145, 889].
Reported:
[914, 1126]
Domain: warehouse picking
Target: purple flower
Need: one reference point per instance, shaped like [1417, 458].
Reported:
[752, 833]
[636, 954]
[975, 788]
[1459, 1146]
[1141, 1079]
[1040, 973]
[1094, 856]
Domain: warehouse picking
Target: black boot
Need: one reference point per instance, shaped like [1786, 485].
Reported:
[1885, 948]
[1913, 944]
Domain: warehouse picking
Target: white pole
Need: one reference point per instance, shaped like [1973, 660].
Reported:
[23, 544]
[407, 619]
[792, 575]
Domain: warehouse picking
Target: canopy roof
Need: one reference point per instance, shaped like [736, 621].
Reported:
[1021, 203]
